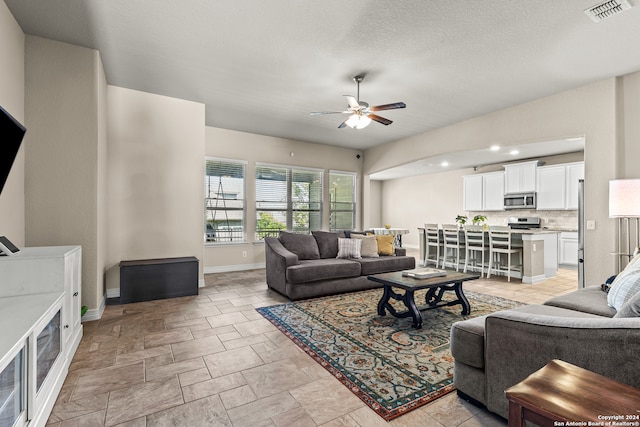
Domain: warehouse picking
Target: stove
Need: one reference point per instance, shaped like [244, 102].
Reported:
[524, 223]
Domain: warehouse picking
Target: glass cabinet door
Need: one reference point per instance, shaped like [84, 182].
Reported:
[47, 348]
[12, 391]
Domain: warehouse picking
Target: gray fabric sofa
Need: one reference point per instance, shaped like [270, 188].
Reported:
[494, 352]
[305, 266]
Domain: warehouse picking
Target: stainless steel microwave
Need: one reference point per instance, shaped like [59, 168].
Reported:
[520, 201]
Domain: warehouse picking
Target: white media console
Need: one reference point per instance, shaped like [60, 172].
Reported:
[40, 330]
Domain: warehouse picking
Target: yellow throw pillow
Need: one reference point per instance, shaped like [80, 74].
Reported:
[385, 244]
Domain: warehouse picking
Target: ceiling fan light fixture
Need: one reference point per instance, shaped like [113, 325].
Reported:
[358, 121]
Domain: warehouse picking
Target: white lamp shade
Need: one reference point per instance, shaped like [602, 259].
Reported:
[624, 198]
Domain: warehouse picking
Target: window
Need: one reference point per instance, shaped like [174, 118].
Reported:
[287, 199]
[342, 194]
[224, 200]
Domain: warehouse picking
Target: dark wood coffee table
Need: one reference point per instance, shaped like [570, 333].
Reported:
[562, 394]
[437, 287]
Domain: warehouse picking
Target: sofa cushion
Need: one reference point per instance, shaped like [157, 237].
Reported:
[623, 288]
[349, 248]
[631, 308]
[303, 245]
[327, 243]
[467, 341]
[369, 247]
[322, 269]
[385, 244]
[588, 300]
[386, 264]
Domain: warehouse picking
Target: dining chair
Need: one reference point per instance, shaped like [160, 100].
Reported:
[500, 244]
[476, 246]
[434, 246]
[453, 245]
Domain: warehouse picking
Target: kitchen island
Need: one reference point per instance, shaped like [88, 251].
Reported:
[539, 252]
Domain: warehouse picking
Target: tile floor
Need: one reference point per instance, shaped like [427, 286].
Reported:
[212, 360]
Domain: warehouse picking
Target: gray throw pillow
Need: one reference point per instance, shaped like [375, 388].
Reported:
[349, 248]
[631, 308]
[303, 245]
[327, 243]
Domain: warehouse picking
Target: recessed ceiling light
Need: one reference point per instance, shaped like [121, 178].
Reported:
[514, 152]
[444, 164]
[494, 148]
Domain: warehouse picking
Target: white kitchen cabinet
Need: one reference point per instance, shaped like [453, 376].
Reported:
[557, 187]
[568, 248]
[40, 313]
[551, 191]
[520, 177]
[472, 192]
[493, 191]
[483, 192]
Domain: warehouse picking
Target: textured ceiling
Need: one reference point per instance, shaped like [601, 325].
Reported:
[262, 66]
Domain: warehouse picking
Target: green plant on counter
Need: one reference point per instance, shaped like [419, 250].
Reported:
[461, 220]
[479, 220]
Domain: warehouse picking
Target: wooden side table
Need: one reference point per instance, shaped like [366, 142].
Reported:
[560, 393]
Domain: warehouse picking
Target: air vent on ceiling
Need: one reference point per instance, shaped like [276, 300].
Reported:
[607, 9]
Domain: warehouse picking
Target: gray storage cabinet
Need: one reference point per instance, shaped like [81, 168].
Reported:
[151, 279]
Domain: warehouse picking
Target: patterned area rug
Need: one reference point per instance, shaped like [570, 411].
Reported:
[392, 367]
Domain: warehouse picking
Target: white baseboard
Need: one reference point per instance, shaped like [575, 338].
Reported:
[534, 279]
[201, 283]
[96, 313]
[237, 267]
[113, 293]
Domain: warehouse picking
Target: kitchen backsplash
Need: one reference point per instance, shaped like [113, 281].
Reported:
[562, 220]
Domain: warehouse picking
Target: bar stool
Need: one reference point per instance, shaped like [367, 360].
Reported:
[434, 240]
[475, 242]
[500, 244]
[453, 245]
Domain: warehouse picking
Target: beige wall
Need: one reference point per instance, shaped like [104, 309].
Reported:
[372, 212]
[64, 84]
[102, 179]
[156, 184]
[12, 99]
[410, 202]
[588, 111]
[630, 153]
[264, 149]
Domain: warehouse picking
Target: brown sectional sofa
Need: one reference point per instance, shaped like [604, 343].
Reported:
[305, 266]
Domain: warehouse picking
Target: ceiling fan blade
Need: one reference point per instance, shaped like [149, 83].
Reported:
[388, 106]
[315, 113]
[379, 119]
[352, 102]
[344, 124]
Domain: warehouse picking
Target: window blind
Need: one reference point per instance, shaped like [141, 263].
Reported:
[287, 198]
[224, 200]
[342, 196]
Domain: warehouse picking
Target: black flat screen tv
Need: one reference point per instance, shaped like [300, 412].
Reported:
[11, 134]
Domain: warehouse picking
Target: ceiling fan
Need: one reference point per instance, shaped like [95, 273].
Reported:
[360, 112]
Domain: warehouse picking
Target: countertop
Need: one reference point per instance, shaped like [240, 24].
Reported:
[545, 230]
